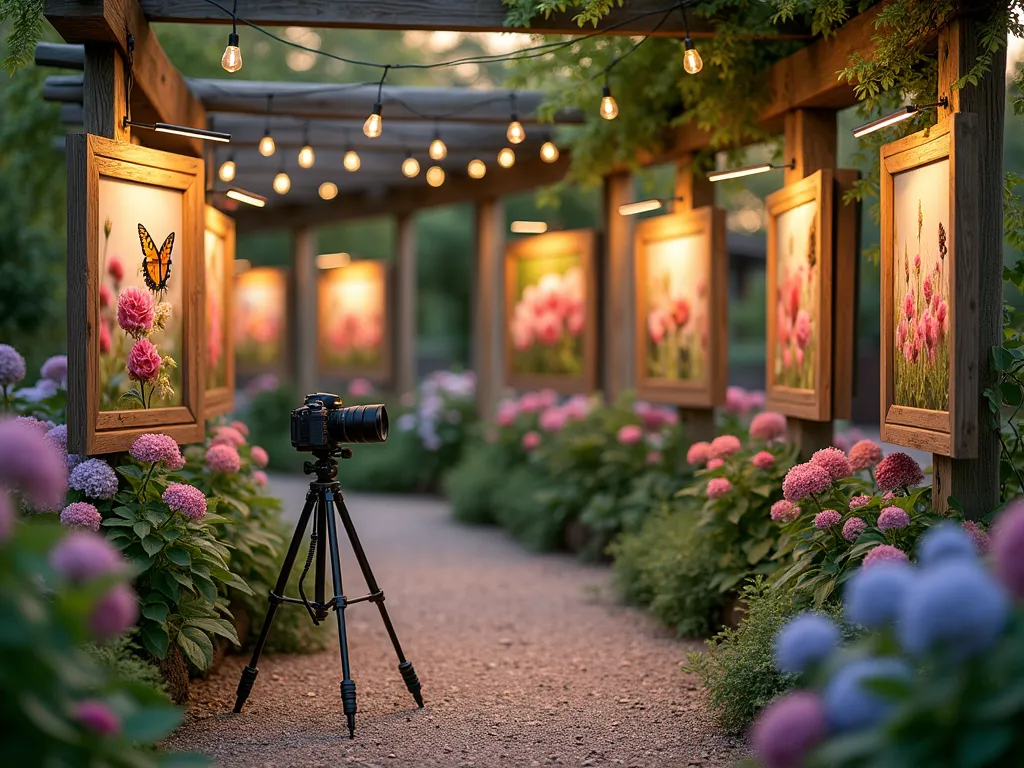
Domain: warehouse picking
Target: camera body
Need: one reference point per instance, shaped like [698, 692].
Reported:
[321, 423]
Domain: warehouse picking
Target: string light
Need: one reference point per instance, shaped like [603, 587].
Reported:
[905, 113]
[692, 62]
[476, 169]
[282, 183]
[374, 125]
[232, 58]
[506, 158]
[548, 151]
[227, 169]
[749, 170]
[351, 161]
[609, 109]
[306, 155]
[410, 167]
[437, 150]
[328, 190]
[435, 176]
[267, 146]
[516, 134]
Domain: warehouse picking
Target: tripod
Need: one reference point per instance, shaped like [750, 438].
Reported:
[323, 497]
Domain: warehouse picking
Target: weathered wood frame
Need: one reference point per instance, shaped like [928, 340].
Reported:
[709, 224]
[953, 433]
[222, 399]
[581, 241]
[91, 431]
[282, 365]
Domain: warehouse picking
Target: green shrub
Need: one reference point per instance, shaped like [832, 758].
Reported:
[269, 420]
[473, 485]
[125, 660]
[521, 508]
[293, 631]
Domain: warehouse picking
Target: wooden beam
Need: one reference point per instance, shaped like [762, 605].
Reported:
[103, 93]
[162, 93]
[616, 300]
[64, 88]
[454, 15]
[488, 305]
[60, 55]
[404, 297]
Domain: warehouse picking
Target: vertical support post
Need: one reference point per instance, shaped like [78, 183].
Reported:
[975, 482]
[488, 307]
[810, 143]
[694, 191]
[306, 301]
[404, 297]
[616, 302]
[104, 93]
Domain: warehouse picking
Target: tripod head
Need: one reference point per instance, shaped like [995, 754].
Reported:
[326, 465]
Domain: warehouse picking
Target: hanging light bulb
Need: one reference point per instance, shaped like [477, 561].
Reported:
[548, 151]
[232, 58]
[437, 150]
[410, 167]
[476, 169]
[351, 161]
[692, 62]
[227, 169]
[506, 158]
[328, 190]
[374, 125]
[609, 109]
[282, 183]
[435, 176]
[306, 155]
[267, 145]
[516, 134]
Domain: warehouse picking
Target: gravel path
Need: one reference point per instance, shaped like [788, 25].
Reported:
[525, 660]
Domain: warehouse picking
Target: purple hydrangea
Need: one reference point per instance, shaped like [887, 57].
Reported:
[851, 704]
[853, 528]
[884, 553]
[153, 447]
[804, 642]
[55, 369]
[97, 717]
[95, 479]
[1008, 548]
[81, 514]
[789, 728]
[873, 596]
[827, 518]
[859, 501]
[114, 613]
[83, 556]
[32, 464]
[893, 518]
[943, 542]
[190, 501]
[12, 366]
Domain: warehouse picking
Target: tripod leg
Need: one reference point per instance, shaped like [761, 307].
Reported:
[249, 672]
[348, 688]
[412, 682]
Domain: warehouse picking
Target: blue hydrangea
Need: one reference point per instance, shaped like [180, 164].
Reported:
[850, 702]
[874, 595]
[945, 542]
[805, 641]
[956, 606]
[95, 479]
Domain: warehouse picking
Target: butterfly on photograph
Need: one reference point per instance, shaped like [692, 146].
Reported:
[156, 265]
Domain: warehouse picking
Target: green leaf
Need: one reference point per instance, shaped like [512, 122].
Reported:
[142, 529]
[152, 545]
[46, 720]
[757, 552]
[206, 588]
[130, 471]
[196, 646]
[117, 522]
[220, 627]
[151, 724]
[178, 556]
[155, 611]
[126, 512]
[155, 638]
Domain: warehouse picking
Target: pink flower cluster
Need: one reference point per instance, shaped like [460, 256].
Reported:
[805, 480]
[82, 556]
[550, 311]
[793, 325]
[553, 417]
[785, 511]
[883, 553]
[833, 461]
[81, 514]
[864, 454]
[531, 440]
[654, 418]
[153, 447]
[718, 487]
[227, 436]
[673, 316]
[223, 458]
[768, 426]
[741, 401]
[898, 470]
[827, 518]
[725, 445]
[763, 460]
[859, 501]
[117, 610]
[259, 456]
[135, 311]
[924, 320]
[853, 528]
[789, 728]
[698, 453]
[33, 464]
[893, 518]
[97, 717]
[630, 434]
[186, 499]
[1006, 546]
[360, 388]
[981, 539]
[259, 478]
[144, 362]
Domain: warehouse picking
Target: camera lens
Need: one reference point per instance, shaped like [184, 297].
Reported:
[358, 424]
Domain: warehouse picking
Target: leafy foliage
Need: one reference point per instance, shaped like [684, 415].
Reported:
[26, 17]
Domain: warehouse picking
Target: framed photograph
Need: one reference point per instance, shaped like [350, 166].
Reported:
[219, 250]
[929, 289]
[353, 326]
[551, 312]
[135, 288]
[261, 321]
[681, 327]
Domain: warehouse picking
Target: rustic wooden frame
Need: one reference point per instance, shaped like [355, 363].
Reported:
[222, 399]
[953, 433]
[283, 365]
[583, 242]
[382, 374]
[708, 223]
[91, 431]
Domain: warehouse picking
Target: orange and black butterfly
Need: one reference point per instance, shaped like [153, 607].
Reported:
[156, 265]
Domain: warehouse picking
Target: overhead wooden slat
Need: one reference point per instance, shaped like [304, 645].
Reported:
[63, 55]
[63, 88]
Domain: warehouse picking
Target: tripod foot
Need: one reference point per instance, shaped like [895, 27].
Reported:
[348, 704]
[245, 687]
[411, 682]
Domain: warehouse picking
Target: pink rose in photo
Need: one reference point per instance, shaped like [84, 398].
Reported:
[940, 315]
[106, 296]
[787, 357]
[575, 322]
[680, 311]
[799, 357]
[548, 328]
[531, 440]
[908, 305]
[115, 269]
[135, 311]
[658, 324]
[936, 298]
[901, 333]
[144, 362]
[802, 329]
[104, 338]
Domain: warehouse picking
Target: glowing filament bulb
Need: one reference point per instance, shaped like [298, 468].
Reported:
[548, 152]
[476, 169]
[435, 176]
[351, 161]
[506, 158]
[516, 134]
[437, 151]
[374, 125]
[328, 190]
[692, 62]
[306, 157]
[267, 145]
[227, 170]
[410, 167]
[232, 58]
[609, 109]
[282, 183]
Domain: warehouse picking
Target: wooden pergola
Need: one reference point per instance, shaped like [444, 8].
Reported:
[805, 95]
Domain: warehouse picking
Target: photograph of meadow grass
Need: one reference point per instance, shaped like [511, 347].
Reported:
[797, 281]
[920, 270]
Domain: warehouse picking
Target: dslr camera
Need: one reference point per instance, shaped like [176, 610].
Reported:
[321, 423]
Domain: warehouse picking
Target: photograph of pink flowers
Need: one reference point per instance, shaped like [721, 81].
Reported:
[680, 269]
[353, 324]
[928, 339]
[550, 312]
[261, 320]
[219, 250]
[135, 278]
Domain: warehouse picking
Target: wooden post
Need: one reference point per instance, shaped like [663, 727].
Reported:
[404, 297]
[488, 307]
[810, 143]
[103, 92]
[975, 482]
[305, 313]
[615, 305]
[693, 190]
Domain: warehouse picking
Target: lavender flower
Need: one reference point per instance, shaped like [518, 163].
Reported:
[32, 464]
[95, 479]
[893, 518]
[115, 612]
[82, 556]
[873, 596]
[56, 369]
[804, 642]
[12, 366]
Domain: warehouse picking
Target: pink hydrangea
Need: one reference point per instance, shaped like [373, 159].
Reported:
[33, 464]
[1008, 548]
[507, 412]
[893, 518]
[864, 454]
[259, 456]
[898, 470]
[981, 540]
[805, 480]
[175, 463]
[553, 419]
[654, 457]
[715, 463]
[259, 478]
[767, 426]
[135, 311]
[114, 613]
[153, 447]
[718, 486]
[737, 401]
[859, 501]
[630, 434]
[531, 440]
[223, 458]
[144, 362]
[81, 514]
[789, 728]
[763, 460]
[83, 555]
[190, 501]
[241, 427]
[853, 528]
[530, 402]
[833, 461]
[827, 518]
[31, 421]
[883, 553]
[227, 436]
[785, 511]
[725, 445]
[360, 388]
[698, 453]
[97, 717]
